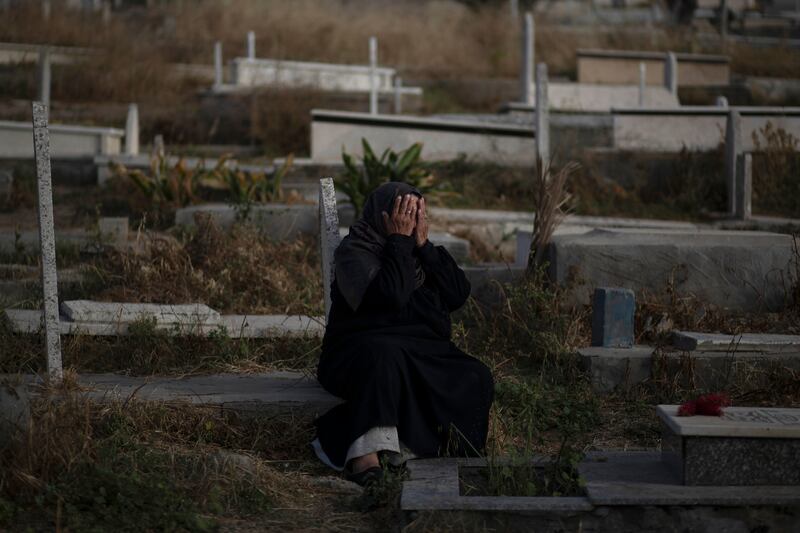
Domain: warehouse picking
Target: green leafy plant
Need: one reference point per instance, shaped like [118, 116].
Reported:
[246, 188]
[361, 179]
[166, 186]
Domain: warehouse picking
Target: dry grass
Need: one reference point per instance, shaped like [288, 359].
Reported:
[238, 272]
[551, 201]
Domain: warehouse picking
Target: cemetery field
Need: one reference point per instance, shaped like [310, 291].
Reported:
[134, 464]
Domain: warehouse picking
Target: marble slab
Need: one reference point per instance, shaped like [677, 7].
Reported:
[755, 422]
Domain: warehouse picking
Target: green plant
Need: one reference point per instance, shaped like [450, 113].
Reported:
[359, 180]
[245, 188]
[166, 186]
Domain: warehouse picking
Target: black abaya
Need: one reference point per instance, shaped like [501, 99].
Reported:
[393, 363]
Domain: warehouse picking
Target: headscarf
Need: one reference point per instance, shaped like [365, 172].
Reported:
[358, 257]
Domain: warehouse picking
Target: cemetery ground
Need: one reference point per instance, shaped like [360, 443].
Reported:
[131, 464]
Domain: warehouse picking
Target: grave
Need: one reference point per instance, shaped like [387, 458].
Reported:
[746, 342]
[19, 53]
[730, 269]
[279, 221]
[66, 141]
[334, 131]
[695, 127]
[601, 98]
[745, 446]
[625, 491]
[184, 314]
[621, 67]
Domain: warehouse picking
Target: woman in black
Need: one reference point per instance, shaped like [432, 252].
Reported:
[408, 390]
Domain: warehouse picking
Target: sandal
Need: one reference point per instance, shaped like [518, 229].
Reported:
[365, 477]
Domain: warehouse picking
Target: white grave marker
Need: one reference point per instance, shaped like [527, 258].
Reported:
[132, 130]
[44, 76]
[398, 95]
[328, 236]
[642, 82]
[733, 149]
[542, 116]
[217, 64]
[47, 240]
[251, 45]
[373, 75]
[528, 59]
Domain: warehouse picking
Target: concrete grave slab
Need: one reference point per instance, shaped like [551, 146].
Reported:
[66, 141]
[609, 368]
[286, 389]
[745, 446]
[746, 342]
[108, 312]
[730, 269]
[333, 131]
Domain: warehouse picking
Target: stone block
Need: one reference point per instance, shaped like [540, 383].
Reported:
[744, 446]
[731, 269]
[278, 221]
[612, 317]
[746, 342]
[609, 368]
[112, 312]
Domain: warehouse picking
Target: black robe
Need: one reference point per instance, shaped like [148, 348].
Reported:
[393, 363]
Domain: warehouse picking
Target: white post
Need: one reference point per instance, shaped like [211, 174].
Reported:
[528, 59]
[328, 236]
[722, 101]
[217, 64]
[132, 130]
[251, 45]
[744, 187]
[373, 76]
[733, 149]
[642, 82]
[671, 73]
[44, 76]
[514, 7]
[542, 116]
[47, 241]
[398, 95]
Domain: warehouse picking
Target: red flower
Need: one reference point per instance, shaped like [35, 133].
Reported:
[707, 405]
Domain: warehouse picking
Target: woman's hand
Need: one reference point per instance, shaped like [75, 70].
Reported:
[404, 216]
[421, 231]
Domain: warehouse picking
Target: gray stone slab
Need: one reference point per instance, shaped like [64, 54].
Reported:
[737, 270]
[236, 326]
[281, 389]
[109, 312]
[754, 422]
[642, 479]
[749, 342]
[609, 368]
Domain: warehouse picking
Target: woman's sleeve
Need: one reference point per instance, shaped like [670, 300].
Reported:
[445, 274]
[396, 279]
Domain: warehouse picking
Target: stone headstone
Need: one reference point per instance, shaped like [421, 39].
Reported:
[744, 187]
[328, 236]
[373, 75]
[542, 116]
[528, 59]
[132, 130]
[733, 151]
[642, 82]
[251, 45]
[218, 64]
[44, 76]
[612, 317]
[398, 95]
[47, 240]
[671, 73]
[744, 446]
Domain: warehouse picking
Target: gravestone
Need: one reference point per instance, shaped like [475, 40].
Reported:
[542, 116]
[642, 82]
[671, 73]
[132, 130]
[44, 76]
[218, 64]
[251, 45]
[744, 446]
[373, 75]
[733, 149]
[528, 59]
[328, 236]
[47, 240]
[612, 317]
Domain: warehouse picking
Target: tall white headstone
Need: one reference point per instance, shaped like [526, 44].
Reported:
[47, 241]
[44, 76]
[132, 130]
[542, 116]
[328, 236]
[671, 73]
[373, 75]
[642, 82]
[251, 45]
[528, 59]
[733, 150]
[217, 64]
